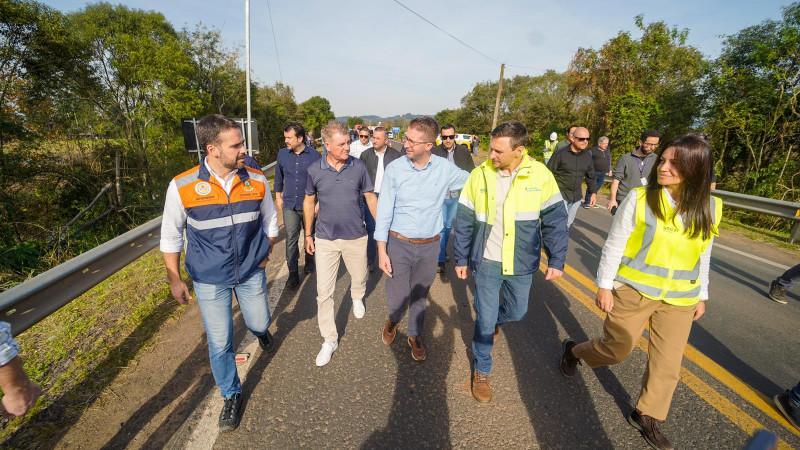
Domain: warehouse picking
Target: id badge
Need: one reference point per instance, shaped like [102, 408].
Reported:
[644, 181]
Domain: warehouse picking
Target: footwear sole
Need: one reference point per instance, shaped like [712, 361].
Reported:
[641, 431]
[227, 428]
[782, 302]
[783, 411]
[564, 350]
[412, 353]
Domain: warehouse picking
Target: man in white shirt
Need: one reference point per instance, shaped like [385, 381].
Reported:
[364, 142]
[230, 221]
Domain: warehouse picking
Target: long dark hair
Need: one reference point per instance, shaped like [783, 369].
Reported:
[694, 162]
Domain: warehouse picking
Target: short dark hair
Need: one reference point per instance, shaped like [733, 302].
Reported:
[513, 129]
[448, 127]
[427, 126]
[650, 133]
[299, 129]
[209, 128]
[569, 129]
[383, 129]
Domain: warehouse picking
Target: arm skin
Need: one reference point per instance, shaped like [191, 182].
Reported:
[612, 202]
[180, 292]
[308, 220]
[372, 203]
[20, 392]
[383, 259]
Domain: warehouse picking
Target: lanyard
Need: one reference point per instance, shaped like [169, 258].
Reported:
[642, 163]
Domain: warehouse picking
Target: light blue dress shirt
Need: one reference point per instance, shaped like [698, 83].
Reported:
[411, 199]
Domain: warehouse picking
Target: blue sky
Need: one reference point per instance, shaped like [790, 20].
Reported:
[375, 57]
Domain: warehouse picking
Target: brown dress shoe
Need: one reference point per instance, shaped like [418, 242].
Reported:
[496, 332]
[569, 363]
[389, 332]
[417, 349]
[481, 389]
[650, 429]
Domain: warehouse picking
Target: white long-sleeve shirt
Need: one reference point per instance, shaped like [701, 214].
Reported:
[621, 229]
[174, 220]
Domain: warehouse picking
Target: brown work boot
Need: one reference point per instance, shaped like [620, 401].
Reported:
[389, 332]
[481, 389]
[569, 363]
[650, 429]
[496, 332]
[417, 349]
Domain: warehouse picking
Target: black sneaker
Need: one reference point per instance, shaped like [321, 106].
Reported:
[650, 429]
[229, 417]
[777, 292]
[569, 363]
[266, 342]
[787, 407]
[293, 281]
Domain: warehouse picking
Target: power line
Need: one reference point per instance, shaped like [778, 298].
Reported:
[445, 32]
[274, 41]
[526, 67]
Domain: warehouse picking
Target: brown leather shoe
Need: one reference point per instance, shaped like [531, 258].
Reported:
[496, 332]
[650, 429]
[417, 349]
[481, 389]
[389, 332]
[569, 363]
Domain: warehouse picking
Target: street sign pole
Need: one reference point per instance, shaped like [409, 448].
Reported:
[247, 69]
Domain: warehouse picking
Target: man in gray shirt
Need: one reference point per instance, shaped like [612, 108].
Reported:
[633, 168]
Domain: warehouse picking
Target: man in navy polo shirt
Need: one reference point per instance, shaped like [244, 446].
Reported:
[338, 180]
[291, 172]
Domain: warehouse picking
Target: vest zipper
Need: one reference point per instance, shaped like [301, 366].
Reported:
[233, 231]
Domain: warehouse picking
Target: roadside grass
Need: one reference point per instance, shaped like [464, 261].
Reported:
[77, 351]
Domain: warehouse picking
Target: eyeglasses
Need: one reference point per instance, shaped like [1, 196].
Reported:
[363, 135]
[649, 145]
[452, 136]
[409, 141]
[581, 139]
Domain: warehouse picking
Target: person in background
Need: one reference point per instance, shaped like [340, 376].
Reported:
[567, 141]
[571, 166]
[633, 169]
[476, 143]
[785, 282]
[364, 142]
[654, 270]
[601, 157]
[459, 155]
[550, 147]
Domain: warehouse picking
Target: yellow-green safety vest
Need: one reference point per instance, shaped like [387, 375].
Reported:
[660, 260]
[549, 147]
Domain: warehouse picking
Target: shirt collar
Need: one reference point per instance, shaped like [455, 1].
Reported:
[324, 163]
[411, 163]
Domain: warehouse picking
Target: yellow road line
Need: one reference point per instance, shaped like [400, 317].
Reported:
[701, 388]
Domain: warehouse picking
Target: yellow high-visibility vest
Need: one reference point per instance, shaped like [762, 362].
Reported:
[660, 260]
[549, 147]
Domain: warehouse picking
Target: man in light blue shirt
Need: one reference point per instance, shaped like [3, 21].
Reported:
[407, 228]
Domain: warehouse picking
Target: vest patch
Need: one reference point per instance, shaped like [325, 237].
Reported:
[202, 188]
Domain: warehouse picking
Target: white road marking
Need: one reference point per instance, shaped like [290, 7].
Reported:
[759, 259]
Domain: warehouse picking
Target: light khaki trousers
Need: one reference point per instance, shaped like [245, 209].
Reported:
[327, 254]
[669, 332]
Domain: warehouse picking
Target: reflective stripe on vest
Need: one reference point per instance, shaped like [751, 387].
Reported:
[659, 260]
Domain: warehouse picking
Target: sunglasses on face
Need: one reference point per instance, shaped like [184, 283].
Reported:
[363, 135]
[444, 138]
[586, 139]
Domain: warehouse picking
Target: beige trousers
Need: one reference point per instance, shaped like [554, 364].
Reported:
[327, 254]
[669, 332]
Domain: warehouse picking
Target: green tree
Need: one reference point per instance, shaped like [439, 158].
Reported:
[277, 107]
[316, 112]
[353, 121]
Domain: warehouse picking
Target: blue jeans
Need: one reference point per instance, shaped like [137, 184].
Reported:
[448, 215]
[490, 312]
[600, 177]
[572, 210]
[216, 303]
[372, 246]
[790, 278]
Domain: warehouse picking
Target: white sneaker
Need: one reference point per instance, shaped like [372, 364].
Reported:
[324, 355]
[358, 308]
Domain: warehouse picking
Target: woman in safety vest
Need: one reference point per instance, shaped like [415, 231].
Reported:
[654, 269]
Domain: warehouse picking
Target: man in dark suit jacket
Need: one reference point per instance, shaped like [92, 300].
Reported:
[376, 158]
[460, 156]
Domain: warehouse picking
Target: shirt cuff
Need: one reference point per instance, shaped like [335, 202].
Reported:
[9, 348]
[604, 284]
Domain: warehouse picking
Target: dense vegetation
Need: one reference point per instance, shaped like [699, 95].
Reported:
[90, 109]
[91, 102]
[746, 100]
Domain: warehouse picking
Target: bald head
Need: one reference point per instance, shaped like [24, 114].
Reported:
[580, 139]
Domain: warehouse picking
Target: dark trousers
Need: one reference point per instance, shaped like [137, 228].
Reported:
[413, 271]
[293, 223]
[369, 221]
[599, 177]
[790, 278]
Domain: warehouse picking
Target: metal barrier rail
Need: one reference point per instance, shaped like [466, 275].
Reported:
[26, 304]
[769, 206]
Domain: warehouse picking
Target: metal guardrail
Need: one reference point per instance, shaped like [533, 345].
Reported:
[28, 303]
[769, 206]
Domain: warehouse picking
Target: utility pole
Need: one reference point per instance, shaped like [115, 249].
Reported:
[497, 102]
[247, 71]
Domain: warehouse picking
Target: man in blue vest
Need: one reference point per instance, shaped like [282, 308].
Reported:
[226, 209]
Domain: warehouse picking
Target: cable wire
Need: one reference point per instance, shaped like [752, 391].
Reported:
[445, 32]
[274, 41]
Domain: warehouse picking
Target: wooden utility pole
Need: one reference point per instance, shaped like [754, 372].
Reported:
[497, 102]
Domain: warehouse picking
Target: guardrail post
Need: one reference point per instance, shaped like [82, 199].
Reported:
[795, 233]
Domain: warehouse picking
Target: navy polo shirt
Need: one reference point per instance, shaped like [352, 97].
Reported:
[291, 172]
[340, 213]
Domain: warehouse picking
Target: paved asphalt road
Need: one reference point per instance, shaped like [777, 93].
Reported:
[375, 396]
